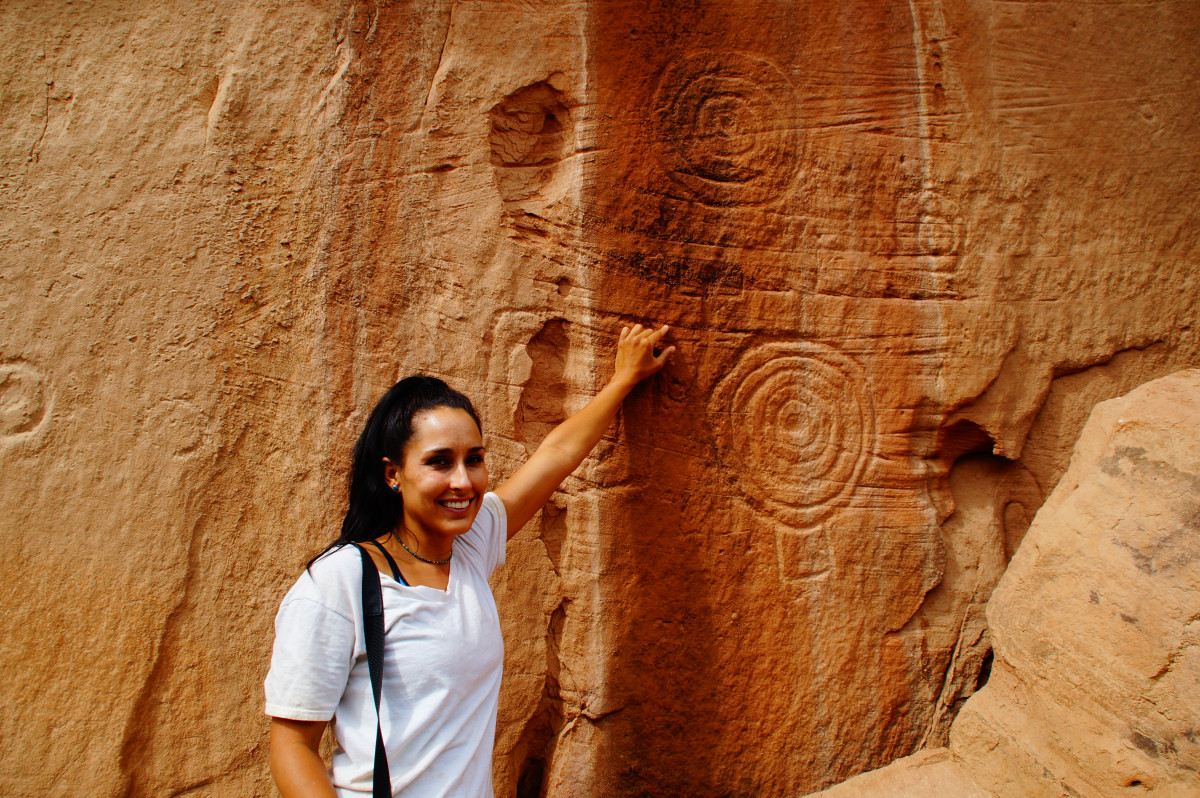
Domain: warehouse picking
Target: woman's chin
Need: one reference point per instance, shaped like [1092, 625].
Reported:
[453, 525]
[463, 524]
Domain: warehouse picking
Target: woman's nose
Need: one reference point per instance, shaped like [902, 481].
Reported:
[459, 477]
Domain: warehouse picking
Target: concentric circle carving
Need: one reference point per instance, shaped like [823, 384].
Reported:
[797, 425]
[725, 128]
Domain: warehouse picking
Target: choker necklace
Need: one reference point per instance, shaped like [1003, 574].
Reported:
[422, 559]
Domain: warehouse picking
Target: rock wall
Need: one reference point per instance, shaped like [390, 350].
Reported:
[904, 248]
[1094, 687]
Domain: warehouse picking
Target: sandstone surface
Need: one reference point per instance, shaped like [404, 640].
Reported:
[1096, 623]
[932, 773]
[1095, 689]
[904, 249]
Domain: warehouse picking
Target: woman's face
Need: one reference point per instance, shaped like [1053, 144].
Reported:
[443, 476]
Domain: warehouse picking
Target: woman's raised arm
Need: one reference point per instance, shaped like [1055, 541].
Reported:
[567, 444]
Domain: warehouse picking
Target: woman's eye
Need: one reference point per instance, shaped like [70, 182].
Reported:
[438, 462]
[475, 459]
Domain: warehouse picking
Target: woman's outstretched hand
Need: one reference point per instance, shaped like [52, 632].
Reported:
[637, 354]
[567, 444]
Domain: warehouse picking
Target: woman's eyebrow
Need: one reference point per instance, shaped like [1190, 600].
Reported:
[449, 450]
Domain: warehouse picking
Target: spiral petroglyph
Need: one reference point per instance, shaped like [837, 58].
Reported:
[797, 425]
[725, 128]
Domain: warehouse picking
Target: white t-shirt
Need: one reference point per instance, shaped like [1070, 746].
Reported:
[443, 656]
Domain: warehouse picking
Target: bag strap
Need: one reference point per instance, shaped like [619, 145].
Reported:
[372, 603]
[399, 577]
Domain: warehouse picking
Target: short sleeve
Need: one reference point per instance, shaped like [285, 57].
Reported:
[492, 523]
[310, 662]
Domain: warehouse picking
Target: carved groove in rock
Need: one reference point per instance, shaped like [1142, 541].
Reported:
[725, 128]
[530, 133]
[24, 399]
[541, 409]
[176, 426]
[797, 424]
[939, 230]
[538, 739]
[802, 557]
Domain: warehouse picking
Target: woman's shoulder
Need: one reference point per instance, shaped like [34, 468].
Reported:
[492, 511]
[336, 560]
[491, 519]
[333, 580]
[488, 534]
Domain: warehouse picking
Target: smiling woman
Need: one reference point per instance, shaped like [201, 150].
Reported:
[441, 481]
[419, 501]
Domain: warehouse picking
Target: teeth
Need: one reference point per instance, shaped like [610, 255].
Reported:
[459, 505]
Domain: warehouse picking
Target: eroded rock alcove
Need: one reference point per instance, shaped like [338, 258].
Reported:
[904, 249]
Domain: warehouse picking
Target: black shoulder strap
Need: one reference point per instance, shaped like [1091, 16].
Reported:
[372, 603]
[399, 577]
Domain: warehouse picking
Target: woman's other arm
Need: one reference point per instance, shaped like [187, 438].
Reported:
[567, 444]
[296, 761]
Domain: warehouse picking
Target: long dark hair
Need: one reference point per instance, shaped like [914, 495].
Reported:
[374, 508]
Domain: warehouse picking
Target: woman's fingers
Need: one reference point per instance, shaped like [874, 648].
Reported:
[637, 331]
[638, 353]
[647, 336]
[650, 340]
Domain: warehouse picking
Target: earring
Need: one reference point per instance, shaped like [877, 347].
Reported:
[396, 488]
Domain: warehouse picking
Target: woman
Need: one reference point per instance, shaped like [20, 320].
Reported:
[418, 489]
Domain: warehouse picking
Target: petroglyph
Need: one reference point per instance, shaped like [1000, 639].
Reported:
[175, 426]
[797, 424]
[24, 400]
[542, 408]
[725, 128]
[802, 557]
[939, 230]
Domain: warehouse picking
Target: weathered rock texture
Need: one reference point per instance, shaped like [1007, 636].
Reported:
[904, 248]
[932, 773]
[1095, 690]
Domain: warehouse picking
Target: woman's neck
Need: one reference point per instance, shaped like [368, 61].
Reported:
[427, 547]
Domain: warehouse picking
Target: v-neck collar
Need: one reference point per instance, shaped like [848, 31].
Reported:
[435, 590]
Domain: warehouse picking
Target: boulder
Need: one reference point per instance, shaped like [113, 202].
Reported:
[1096, 624]
[1095, 686]
[932, 773]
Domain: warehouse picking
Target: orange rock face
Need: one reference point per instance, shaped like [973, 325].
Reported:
[903, 248]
